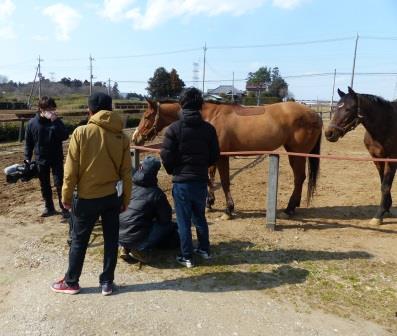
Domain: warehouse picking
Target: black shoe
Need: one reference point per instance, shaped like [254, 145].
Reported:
[47, 212]
[139, 255]
[185, 262]
[125, 254]
[107, 288]
[65, 214]
[202, 253]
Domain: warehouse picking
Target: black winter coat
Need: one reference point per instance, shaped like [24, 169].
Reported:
[190, 146]
[44, 138]
[148, 204]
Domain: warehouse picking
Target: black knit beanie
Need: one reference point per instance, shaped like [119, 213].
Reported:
[99, 101]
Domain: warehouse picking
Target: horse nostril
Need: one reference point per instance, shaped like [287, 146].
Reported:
[328, 133]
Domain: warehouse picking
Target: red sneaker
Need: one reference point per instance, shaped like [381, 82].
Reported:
[61, 286]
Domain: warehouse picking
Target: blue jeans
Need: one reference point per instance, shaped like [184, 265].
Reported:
[189, 200]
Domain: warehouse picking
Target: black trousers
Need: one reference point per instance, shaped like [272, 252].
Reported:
[85, 213]
[45, 182]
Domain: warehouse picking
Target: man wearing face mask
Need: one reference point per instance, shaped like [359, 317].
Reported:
[44, 136]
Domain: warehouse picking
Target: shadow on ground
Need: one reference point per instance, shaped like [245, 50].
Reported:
[216, 282]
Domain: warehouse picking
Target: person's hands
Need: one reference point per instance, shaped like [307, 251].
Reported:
[53, 116]
[67, 206]
[122, 208]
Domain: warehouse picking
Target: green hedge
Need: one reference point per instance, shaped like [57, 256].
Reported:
[10, 131]
[132, 122]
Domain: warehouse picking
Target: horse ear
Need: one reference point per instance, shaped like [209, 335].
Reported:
[341, 93]
[351, 91]
[150, 102]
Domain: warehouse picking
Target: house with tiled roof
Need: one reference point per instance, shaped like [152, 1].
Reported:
[226, 90]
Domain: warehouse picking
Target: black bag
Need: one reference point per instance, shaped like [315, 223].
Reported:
[24, 172]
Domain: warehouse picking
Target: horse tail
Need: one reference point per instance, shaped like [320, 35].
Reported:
[314, 168]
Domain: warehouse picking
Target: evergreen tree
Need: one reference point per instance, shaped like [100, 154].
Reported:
[165, 84]
[176, 84]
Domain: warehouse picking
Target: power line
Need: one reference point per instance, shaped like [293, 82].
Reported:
[181, 51]
[384, 38]
[322, 74]
[284, 44]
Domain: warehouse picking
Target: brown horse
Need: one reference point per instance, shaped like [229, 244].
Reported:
[239, 128]
[379, 117]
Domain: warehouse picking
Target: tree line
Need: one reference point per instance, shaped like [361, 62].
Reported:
[265, 82]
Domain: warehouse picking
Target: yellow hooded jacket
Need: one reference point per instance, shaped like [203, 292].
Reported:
[98, 157]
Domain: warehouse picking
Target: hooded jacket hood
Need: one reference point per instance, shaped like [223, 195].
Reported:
[108, 120]
[191, 117]
[146, 175]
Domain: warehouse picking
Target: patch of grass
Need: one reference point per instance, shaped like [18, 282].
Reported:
[348, 288]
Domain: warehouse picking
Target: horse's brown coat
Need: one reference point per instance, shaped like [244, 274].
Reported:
[239, 128]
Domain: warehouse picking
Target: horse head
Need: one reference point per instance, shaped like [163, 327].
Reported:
[154, 119]
[346, 117]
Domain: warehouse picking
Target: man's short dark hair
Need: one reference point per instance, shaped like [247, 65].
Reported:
[47, 103]
[99, 101]
[191, 98]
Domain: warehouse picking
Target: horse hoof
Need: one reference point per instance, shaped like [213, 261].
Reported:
[285, 214]
[226, 216]
[376, 221]
[388, 214]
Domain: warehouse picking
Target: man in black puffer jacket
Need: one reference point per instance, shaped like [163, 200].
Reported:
[146, 224]
[44, 136]
[189, 148]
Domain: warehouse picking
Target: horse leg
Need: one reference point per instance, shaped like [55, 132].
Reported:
[386, 200]
[298, 165]
[211, 187]
[224, 173]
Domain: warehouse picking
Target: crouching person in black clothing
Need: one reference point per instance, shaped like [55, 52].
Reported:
[44, 136]
[146, 224]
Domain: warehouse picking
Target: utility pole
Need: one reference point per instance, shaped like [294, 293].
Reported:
[109, 93]
[354, 62]
[205, 54]
[91, 76]
[33, 86]
[39, 73]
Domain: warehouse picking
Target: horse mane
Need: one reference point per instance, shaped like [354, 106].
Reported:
[375, 99]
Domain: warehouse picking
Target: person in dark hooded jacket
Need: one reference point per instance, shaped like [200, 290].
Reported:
[44, 136]
[189, 148]
[146, 224]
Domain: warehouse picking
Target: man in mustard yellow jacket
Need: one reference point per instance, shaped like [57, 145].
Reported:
[98, 157]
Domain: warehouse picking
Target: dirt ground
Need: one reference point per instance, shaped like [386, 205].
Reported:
[324, 272]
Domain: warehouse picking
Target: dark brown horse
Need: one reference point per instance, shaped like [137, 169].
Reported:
[239, 128]
[379, 117]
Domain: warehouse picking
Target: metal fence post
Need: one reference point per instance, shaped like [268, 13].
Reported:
[272, 186]
[21, 134]
[136, 159]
